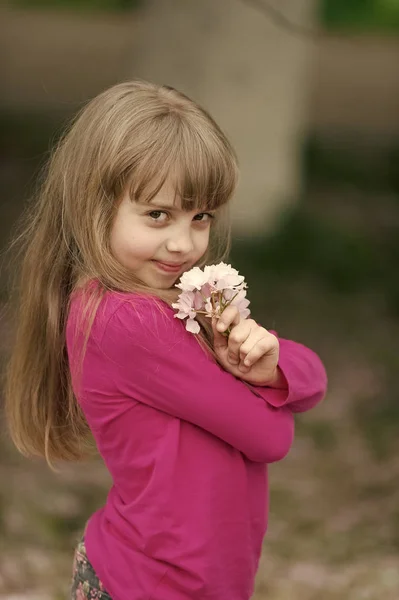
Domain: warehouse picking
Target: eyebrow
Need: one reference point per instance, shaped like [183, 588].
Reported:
[174, 208]
[164, 206]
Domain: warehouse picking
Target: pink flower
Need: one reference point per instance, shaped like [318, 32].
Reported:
[187, 305]
[223, 276]
[191, 280]
[192, 326]
[242, 303]
[209, 292]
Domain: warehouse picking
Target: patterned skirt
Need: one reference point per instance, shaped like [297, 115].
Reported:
[85, 583]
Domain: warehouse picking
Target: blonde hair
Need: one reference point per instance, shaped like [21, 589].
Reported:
[132, 136]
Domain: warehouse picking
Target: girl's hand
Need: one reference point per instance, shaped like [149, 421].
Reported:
[250, 352]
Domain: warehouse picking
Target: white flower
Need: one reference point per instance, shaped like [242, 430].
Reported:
[209, 292]
[191, 280]
[185, 305]
[223, 276]
[193, 326]
[242, 303]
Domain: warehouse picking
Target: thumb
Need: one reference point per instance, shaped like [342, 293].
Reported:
[220, 341]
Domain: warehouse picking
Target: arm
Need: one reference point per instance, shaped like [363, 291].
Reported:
[155, 361]
[257, 357]
[305, 375]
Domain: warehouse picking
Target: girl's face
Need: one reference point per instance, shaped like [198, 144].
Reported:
[158, 241]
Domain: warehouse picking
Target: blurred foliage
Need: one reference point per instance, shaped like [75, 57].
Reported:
[346, 255]
[322, 433]
[378, 422]
[25, 136]
[304, 243]
[350, 162]
[340, 259]
[365, 255]
[361, 15]
[80, 5]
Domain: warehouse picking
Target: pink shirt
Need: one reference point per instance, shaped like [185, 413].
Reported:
[187, 446]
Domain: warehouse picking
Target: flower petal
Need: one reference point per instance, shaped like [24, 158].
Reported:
[192, 326]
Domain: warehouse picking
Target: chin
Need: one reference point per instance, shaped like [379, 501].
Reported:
[161, 285]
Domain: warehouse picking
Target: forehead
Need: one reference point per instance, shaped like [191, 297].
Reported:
[169, 197]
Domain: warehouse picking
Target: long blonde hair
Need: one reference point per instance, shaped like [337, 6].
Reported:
[133, 135]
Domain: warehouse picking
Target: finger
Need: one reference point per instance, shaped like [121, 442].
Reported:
[257, 334]
[230, 317]
[239, 334]
[219, 341]
[262, 348]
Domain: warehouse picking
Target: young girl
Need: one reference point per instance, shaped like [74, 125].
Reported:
[135, 194]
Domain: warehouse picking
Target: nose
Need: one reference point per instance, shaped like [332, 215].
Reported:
[180, 241]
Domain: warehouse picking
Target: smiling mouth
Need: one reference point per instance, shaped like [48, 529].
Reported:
[169, 267]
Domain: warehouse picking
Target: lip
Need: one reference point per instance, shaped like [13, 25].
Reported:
[169, 267]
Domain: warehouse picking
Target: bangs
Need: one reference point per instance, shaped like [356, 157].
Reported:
[199, 162]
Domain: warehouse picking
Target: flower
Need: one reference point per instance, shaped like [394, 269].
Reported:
[186, 307]
[223, 276]
[209, 292]
[191, 280]
[242, 303]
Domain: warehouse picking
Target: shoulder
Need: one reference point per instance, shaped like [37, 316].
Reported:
[124, 312]
[136, 317]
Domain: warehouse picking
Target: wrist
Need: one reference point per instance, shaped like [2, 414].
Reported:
[278, 381]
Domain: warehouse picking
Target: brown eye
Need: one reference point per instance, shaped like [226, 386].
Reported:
[203, 217]
[156, 215]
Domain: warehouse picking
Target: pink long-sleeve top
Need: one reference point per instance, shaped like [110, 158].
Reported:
[187, 446]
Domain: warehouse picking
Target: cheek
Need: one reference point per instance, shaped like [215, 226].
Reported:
[131, 241]
[203, 241]
[114, 240]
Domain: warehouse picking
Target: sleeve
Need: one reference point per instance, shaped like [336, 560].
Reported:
[305, 375]
[153, 360]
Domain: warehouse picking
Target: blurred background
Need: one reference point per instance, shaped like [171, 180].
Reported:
[308, 91]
